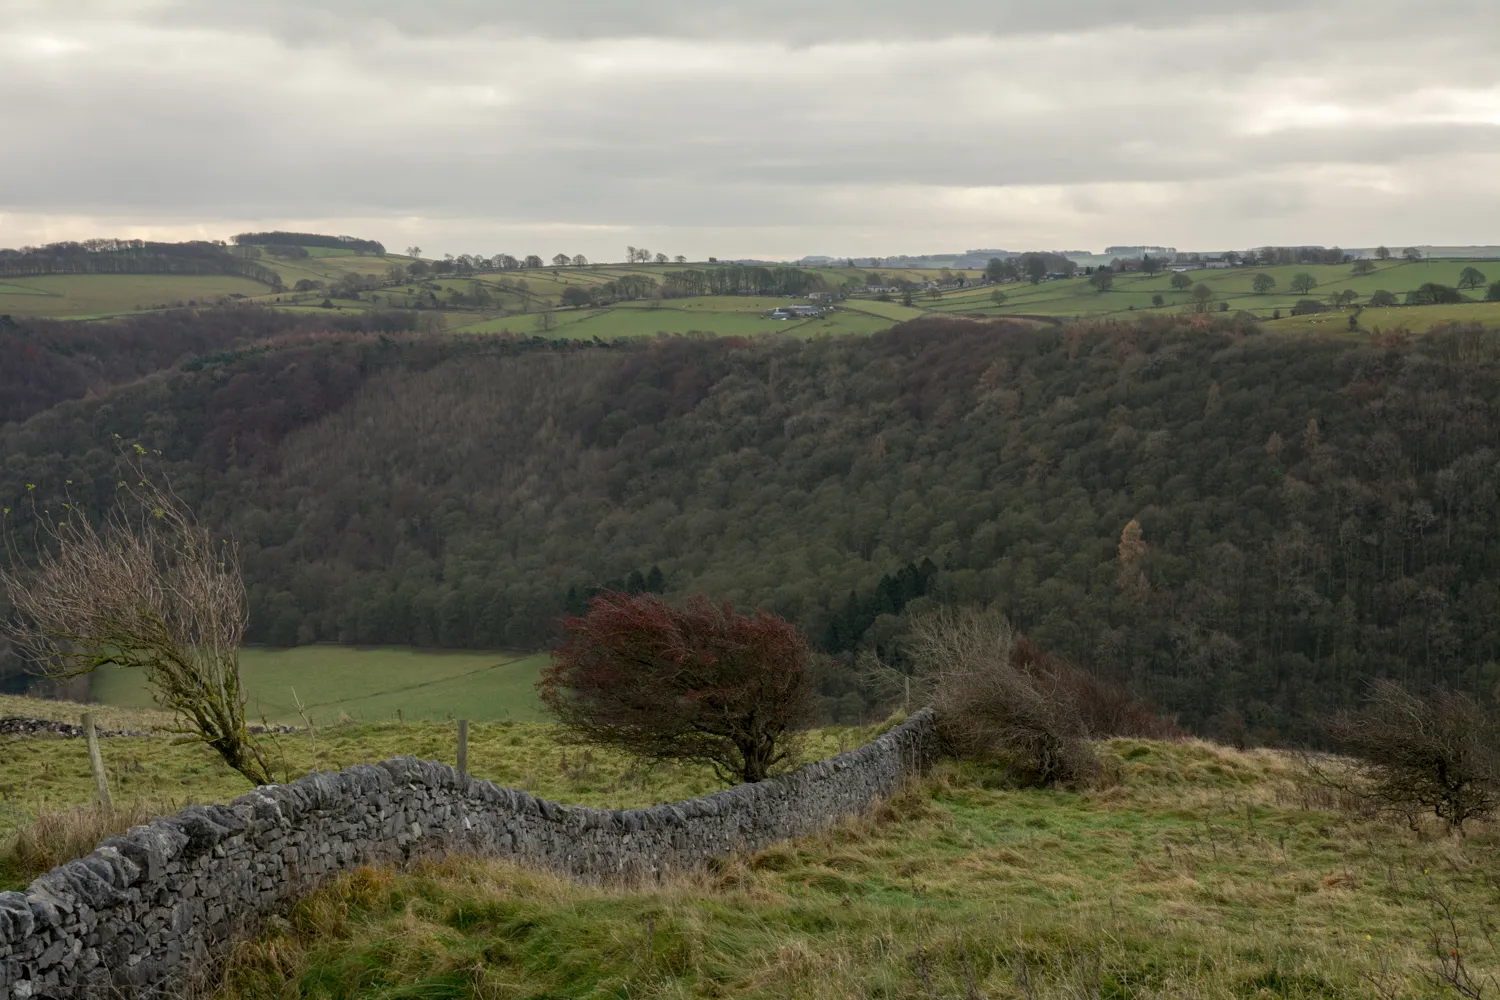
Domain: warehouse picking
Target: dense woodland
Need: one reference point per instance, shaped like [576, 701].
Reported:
[45, 362]
[1244, 526]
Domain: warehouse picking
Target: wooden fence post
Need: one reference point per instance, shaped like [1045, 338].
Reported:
[463, 746]
[96, 762]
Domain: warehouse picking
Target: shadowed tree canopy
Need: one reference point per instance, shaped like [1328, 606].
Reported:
[849, 483]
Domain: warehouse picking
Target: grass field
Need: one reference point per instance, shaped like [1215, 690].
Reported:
[1192, 871]
[1203, 872]
[365, 684]
[519, 311]
[85, 295]
[328, 264]
[1134, 292]
[1414, 319]
[44, 772]
[157, 775]
[724, 316]
[838, 275]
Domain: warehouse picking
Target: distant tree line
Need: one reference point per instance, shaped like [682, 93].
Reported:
[131, 257]
[309, 240]
[626, 288]
[740, 279]
[1032, 266]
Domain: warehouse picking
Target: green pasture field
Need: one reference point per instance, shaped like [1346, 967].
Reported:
[841, 322]
[328, 266]
[1420, 319]
[836, 276]
[748, 304]
[37, 771]
[626, 321]
[718, 315]
[58, 296]
[86, 296]
[889, 310]
[157, 773]
[1414, 319]
[366, 684]
[403, 296]
[1191, 870]
[1134, 292]
[527, 324]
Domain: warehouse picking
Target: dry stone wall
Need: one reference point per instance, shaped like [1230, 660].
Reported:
[136, 916]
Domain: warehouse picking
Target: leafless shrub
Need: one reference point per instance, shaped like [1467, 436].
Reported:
[988, 709]
[149, 589]
[1105, 707]
[1414, 755]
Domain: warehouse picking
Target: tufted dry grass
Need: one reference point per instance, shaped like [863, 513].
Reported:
[1203, 872]
[47, 789]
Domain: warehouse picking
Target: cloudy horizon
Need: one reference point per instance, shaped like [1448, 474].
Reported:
[758, 129]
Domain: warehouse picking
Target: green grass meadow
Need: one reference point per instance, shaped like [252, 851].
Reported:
[533, 310]
[1413, 319]
[366, 684]
[1190, 871]
[1068, 298]
[722, 316]
[1199, 872]
[157, 774]
[60, 296]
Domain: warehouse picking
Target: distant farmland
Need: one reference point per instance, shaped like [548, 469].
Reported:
[1135, 293]
[529, 302]
[89, 295]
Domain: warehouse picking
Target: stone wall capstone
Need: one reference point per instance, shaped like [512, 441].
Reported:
[141, 912]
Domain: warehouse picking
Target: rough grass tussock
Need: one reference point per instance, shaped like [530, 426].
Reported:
[1198, 875]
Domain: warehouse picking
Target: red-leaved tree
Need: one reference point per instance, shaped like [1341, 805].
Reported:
[697, 683]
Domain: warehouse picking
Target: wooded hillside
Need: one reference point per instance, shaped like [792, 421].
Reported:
[1244, 526]
[45, 362]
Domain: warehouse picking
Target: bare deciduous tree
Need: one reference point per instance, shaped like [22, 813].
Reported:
[989, 709]
[149, 589]
[1439, 754]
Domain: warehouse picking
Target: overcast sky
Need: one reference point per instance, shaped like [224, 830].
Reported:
[768, 128]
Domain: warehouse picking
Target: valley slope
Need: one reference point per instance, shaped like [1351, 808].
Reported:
[1313, 511]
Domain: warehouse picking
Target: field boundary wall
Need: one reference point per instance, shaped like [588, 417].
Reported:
[147, 909]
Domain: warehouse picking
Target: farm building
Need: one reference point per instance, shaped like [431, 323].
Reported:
[793, 312]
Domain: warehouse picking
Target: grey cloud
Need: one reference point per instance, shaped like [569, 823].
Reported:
[724, 119]
[792, 21]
